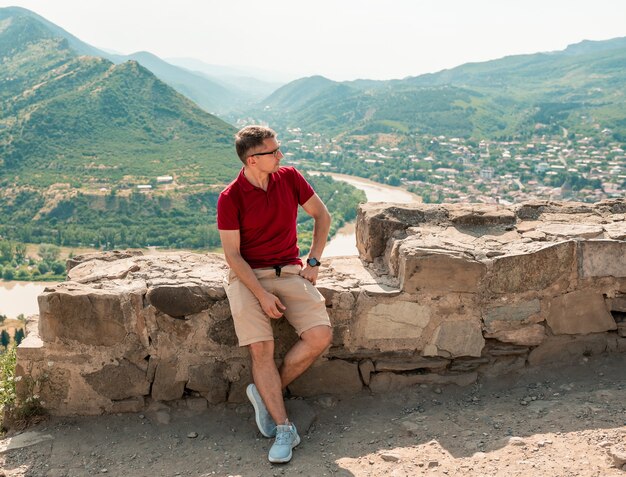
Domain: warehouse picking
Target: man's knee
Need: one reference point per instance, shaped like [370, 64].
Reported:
[261, 351]
[318, 337]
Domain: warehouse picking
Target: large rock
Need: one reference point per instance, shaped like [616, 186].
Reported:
[88, 315]
[377, 223]
[603, 258]
[579, 312]
[121, 381]
[533, 271]
[179, 300]
[208, 379]
[438, 270]
[328, 377]
[167, 384]
[456, 338]
[396, 320]
[512, 314]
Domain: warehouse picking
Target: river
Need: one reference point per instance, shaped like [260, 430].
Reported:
[21, 297]
[344, 241]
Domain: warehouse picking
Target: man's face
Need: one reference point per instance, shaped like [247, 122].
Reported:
[266, 158]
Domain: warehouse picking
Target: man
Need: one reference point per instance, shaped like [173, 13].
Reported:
[256, 217]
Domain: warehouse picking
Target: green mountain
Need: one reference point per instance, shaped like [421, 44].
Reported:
[78, 134]
[66, 118]
[215, 95]
[206, 93]
[579, 88]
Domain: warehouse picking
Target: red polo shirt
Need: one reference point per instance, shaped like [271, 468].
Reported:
[266, 220]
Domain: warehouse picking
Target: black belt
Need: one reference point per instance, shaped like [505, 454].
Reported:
[277, 269]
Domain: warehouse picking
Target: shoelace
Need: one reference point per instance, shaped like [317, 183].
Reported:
[284, 437]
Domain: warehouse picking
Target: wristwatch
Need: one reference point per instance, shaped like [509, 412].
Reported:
[313, 262]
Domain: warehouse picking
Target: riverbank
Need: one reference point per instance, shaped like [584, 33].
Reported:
[374, 191]
[344, 241]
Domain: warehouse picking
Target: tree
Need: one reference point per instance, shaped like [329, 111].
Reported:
[49, 253]
[6, 251]
[18, 336]
[20, 252]
[5, 338]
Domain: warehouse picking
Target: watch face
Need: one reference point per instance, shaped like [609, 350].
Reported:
[313, 262]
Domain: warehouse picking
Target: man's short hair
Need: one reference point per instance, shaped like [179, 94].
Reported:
[250, 137]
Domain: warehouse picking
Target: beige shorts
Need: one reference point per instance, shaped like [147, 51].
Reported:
[305, 305]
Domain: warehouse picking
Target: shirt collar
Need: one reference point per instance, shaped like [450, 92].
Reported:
[247, 186]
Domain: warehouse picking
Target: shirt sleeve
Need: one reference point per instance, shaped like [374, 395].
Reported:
[227, 213]
[304, 191]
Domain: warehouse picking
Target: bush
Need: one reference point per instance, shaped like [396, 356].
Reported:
[43, 268]
[29, 406]
[7, 377]
[8, 273]
[58, 268]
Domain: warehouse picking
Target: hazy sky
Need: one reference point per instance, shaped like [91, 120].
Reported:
[340, 39]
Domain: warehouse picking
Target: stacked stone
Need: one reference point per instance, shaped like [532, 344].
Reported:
[439, 295]
[125, 328]
[497, 288]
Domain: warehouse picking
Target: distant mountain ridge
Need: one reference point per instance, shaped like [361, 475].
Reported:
[219, 93]
[579, 88]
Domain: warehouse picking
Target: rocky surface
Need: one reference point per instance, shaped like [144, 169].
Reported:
[559, 421]
[440, 295]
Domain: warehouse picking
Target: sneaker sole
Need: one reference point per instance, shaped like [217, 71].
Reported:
[288, 458]
[256, 412]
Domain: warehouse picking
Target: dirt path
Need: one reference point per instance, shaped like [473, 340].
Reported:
[555, 422]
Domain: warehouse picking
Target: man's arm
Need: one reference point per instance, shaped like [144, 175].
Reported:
[270, 303]
[316, 209]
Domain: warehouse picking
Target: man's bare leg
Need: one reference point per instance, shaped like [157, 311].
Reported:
[267, 379]
[307, 349]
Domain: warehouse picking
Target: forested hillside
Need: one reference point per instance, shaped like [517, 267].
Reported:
[580, 88]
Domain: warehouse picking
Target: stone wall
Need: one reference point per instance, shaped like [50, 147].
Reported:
[440, 295]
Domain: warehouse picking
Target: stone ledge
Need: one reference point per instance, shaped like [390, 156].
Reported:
[441, 295]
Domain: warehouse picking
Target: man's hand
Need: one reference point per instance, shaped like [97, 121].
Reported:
[310, 273]
[271, 305]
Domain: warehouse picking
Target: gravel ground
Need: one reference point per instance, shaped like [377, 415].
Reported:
[561, 421]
